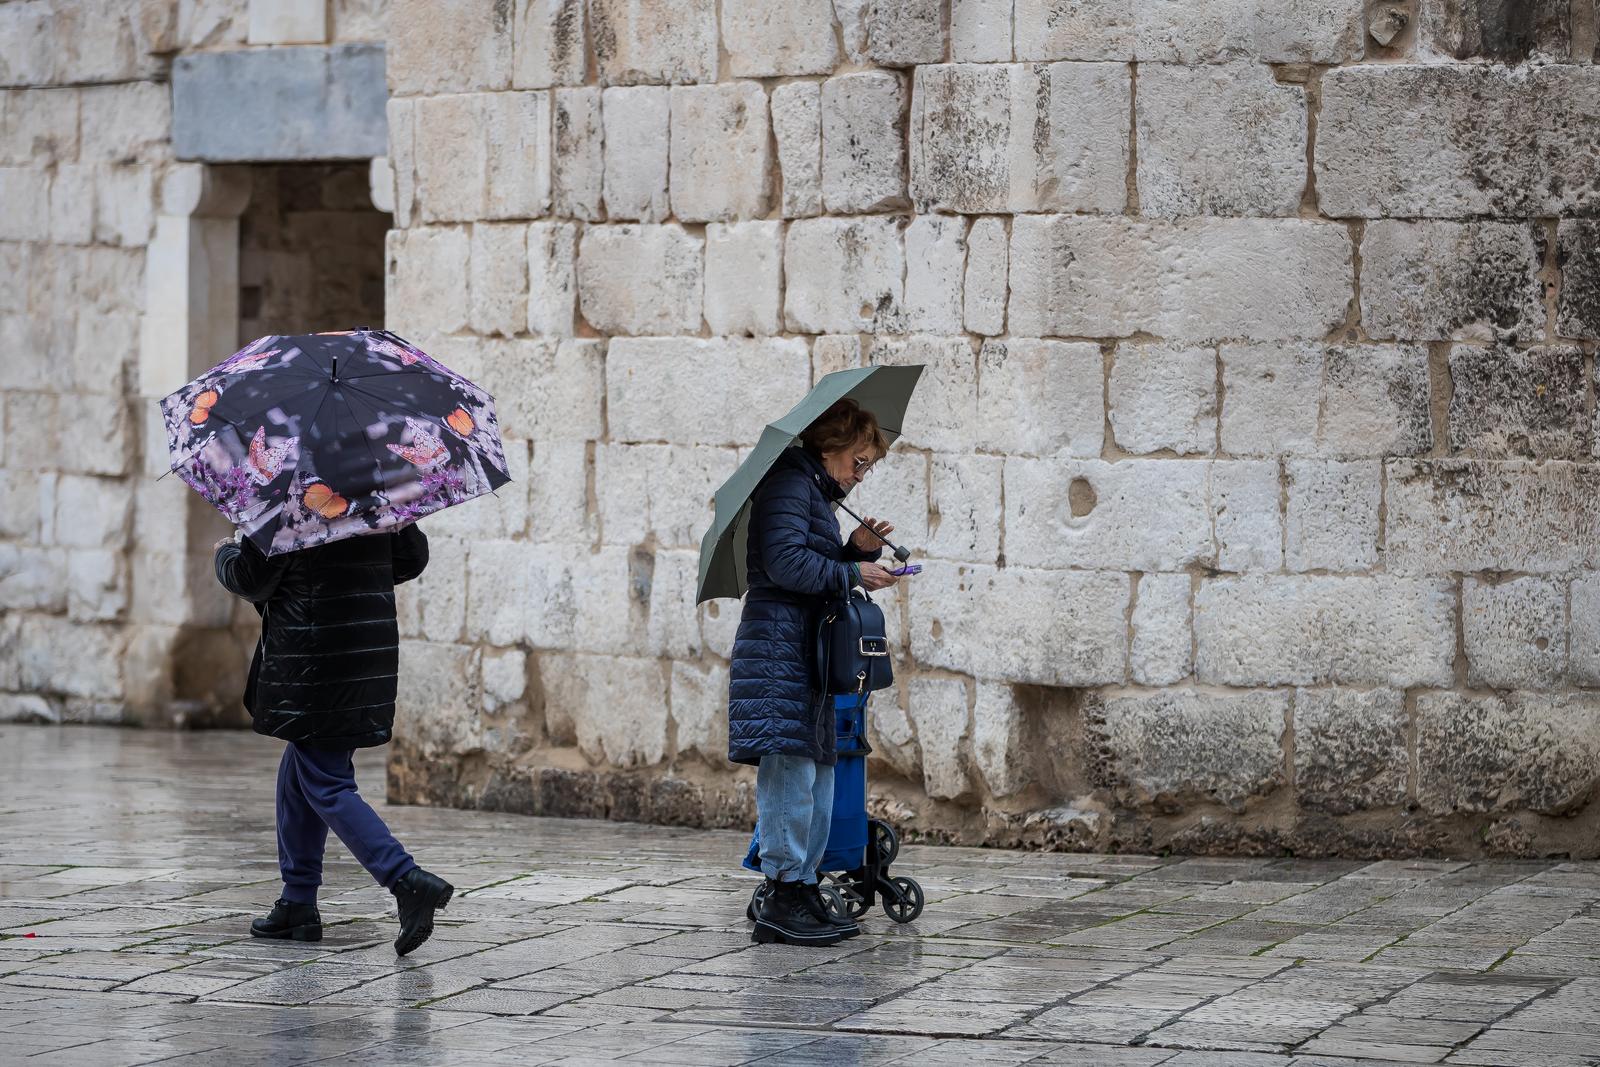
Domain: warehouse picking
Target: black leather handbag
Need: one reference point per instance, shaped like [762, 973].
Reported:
[852, 647]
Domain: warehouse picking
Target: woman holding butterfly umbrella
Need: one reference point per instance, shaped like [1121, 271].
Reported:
[323, 450]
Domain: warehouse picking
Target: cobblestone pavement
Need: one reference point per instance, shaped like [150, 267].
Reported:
[130, 863]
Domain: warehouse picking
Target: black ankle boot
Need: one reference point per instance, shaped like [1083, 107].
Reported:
[786, 918]
[818, 903]
[289, 921]
[419, 894]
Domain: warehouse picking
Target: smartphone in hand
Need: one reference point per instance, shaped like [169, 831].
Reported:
[908, 569]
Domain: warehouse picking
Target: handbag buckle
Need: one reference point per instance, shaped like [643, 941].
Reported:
[880, 650]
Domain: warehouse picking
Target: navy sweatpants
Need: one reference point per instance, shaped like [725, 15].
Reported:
[317, 793]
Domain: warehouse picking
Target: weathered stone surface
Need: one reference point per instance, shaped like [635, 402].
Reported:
[939, 708]
[1480, 140]
[1220, 140]
[1514, 632]
[428, 280]
[1244, 501]
[1343, 401]
[777, 38]
[498, 278]
[33, 578]
[1020, 138]
[1170, 748]
[831, 353]
[1164, 398]
[577, 160]
[721, 152]
[797, 127]
[121, 123]
[641, 279]
[1584, 616]
[544, 389]
[700, 710]
[1304, 630]
[863, 142]
[984, 294]
[659, 492]
[27, 196]
[943, 412]
[1538, 751]
[552, 254]
[980, 31]
[442, 693]
[1578, 253]
[41, 125]
[434, 606]
[842, 275]
[936, 256]
[483, 156]
[124, 205]
[700, 392]
[1448, 515]
[1166, 31]
[1072, 29]
[1509, 402]
[1507, 33]
[1198, 279]
[1161, 652]
[1430, 281]
[964, 501]
[617, 705]
[1332, 519]
[743, 262]
[452, 47]
[636, 159]
[1040, 397]
[57, 656]
[72, 197]
[1021, 625]
[403, 159]
[892, 33]
[999, 743]
[659, 42]
[1349, 749]
[547, 44]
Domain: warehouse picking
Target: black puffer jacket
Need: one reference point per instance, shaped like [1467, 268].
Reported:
[325, 669]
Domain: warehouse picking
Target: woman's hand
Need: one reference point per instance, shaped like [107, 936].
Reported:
[219, 544]
[875, 577]
[869, 536]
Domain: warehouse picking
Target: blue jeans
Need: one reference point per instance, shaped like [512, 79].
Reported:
[794, 811]
[316, 793]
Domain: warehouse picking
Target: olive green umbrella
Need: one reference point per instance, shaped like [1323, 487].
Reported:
[884, 391]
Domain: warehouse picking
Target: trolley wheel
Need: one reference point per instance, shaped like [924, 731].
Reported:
[755, 901]
[850, 894]
[835, 902]
[904, 904]
[885, 841]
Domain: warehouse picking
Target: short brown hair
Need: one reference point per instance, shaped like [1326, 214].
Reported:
[845, 425]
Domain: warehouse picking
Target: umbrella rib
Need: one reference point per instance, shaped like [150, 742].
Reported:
[377, 464]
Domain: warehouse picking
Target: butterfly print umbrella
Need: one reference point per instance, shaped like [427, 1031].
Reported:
[308, 439]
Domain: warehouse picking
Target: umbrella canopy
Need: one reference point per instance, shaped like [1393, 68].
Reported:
[884, 391]
[301, 440]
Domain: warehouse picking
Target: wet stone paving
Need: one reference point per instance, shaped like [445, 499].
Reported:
[131, 863]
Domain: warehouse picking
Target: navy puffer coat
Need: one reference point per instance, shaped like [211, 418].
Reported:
[797, 562]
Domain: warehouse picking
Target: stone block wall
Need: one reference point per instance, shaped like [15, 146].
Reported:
[1253, 468]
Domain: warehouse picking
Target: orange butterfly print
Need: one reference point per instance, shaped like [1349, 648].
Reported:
[318, 497]
[263, 463]
[426, 451]
[203, 405]
[461, 422]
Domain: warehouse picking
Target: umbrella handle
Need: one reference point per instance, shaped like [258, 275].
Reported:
[901, 554]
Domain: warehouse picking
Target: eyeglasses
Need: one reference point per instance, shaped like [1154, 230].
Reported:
[863, 467]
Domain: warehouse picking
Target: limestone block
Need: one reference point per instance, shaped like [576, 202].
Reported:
[33, 578]
[452, 46]
[428, 279]
[1170, 748]
[717, 391]
[1474, 281]
[893, 741]
[1332, 521]
[1472, 29]
[1375, 401]
[943, 414]
[29, 54]
[1015, 138]
[451, 158]
[721, 152]
[892, 33]
[1220, 140]
[498, 577]
[1446, 515]
[1164, 397]
[402, 116]
[654, 42]
[440, 696]
[434, 606]
[640, 279]
[505, 678]
[636, 123]
[27, 707]
[863, 142]
[1270, 31]
[552, 256]
[988, 252]
[939, 708]
[700, 710]
[1244, 499]
[1313, 630]
[88, 512]
[124, 209]
[125, 123]
[1040, 397]
[1578, 251]
[1534, 751]
[56, 655]
[1129, 515]
[1161, 652]
[896, 489]
[548, 46]
[658, 493]
[743, 264]
[109, 448]
[577, 164]
[40, 126]
[1514, 632]
[498, 278]
[797, 127]
[1350, 749]
[19, 504]
[936, 254]
[843, 275]
[97, 585]
[545, 389]
[618, 706]
[831, 353]
[26, 194]
[666, 580]
[999, 740]
[1584, 653]
[719, 622]
[1510, 402]
[558, 492]
[1043, 627]
[517, 168]
[1457, 158]
[779, 38]
[964, 501]
[1194, 279]
[287, 22]
[980, 32]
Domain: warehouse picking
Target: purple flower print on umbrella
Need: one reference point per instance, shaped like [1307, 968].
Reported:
[301, 440]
